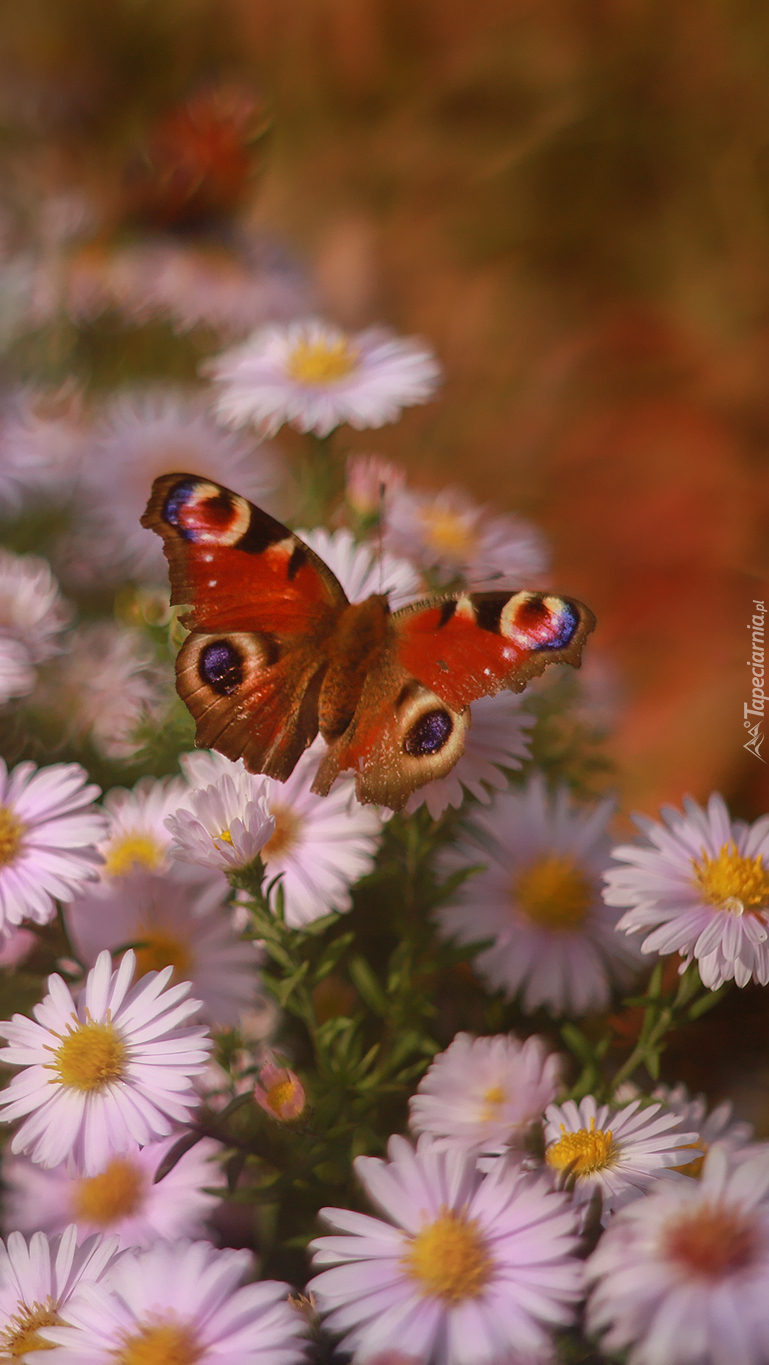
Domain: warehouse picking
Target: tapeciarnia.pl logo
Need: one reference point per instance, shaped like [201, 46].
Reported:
[756, 706]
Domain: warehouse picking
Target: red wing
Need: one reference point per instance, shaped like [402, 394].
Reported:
[472, 645]
[249, 700]
[237, 567]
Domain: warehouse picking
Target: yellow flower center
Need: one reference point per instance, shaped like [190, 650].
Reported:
[493, 1099]
[584, 1152]
[225, 835]
[279, 1094]
[114, 1194]
[731, 882]
[450, 1259]
[711, 1242]
[553, 893]
[91, 1057]
[448, 532]
[11, 834]
[162, 1343]
[285, 836]
[130, 850]
[21, 1332]
[162, 949]
[321, 362]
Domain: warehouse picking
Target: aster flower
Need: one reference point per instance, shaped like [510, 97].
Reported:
[499, 737]
[316, 377]
[107, 687]
[370, 482]
[617, 1153]
[539, 901]
[141, 436]
[700, 882]
[181, 1302]
[121, 1199]
[681, 1275]
[37, 1281]
[138, 838]
[170, 924]
[32, 616]
[103, 1075]
[279, 1092]
[485, 1092]
[227, 823]
[42, 439]
[451, 536]
[361, 570]
[321, 844]
[716, 1126]
[466, 1269]
[48, 828]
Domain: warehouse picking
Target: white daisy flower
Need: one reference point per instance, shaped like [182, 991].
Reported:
[227, 823]
[617, 1153]
[539, 900]
[452, 536]
[17, 676]
[143, 435]
[467, 1270]
[716, 1126]
[485, 1092]
[107, 687]
[321, 845]
[37, 1281]
[42, 439]
[370, 482]
[701, 884]
[680, 1277]
[170, 924]
[181, 1302]
[32, 611]
[138, 838]
[362, 570]
[103, 1075]
[499, 737]
[48, 829]
[314, 376]
[121, 1200]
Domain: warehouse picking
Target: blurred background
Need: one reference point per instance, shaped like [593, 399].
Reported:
[569, 199]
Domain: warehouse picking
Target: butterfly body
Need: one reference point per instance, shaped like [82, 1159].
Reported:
[277, 654]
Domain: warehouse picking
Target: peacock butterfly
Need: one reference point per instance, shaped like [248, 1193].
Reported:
[277, 653]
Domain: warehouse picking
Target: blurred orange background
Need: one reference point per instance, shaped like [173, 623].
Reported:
[570, 199]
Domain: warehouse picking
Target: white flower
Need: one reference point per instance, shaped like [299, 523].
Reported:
[499, 737]
[191, 284]
[143, 435]
[451, 535]
[617, 1153]
[361, 570]
[17, 676]
[107, 687]
[32, 610]
[321, 844]
[468, 1270]
[539, 900]
[121, 1199]
[717, 1126]
[48, 829]
[103, 1075]
[701, 884]
[316, 377]
[137, 837]
[227, 823]
[485, 1092]
[181, 1302]
[680, 1277]
[42, 439]
[37, 1282]
[170, 924]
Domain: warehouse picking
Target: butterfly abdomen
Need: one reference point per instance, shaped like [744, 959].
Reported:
[361, 633]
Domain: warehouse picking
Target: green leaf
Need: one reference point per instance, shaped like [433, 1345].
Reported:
[368, 986]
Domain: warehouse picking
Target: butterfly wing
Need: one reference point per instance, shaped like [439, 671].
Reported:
[411, 722]
[262, 606]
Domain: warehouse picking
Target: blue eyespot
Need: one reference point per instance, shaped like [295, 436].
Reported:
[220, 667]
[429, 734]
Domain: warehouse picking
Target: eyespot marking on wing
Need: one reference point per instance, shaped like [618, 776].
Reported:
[536, 622]
[429, 734]
[206, 514]
[221, 667]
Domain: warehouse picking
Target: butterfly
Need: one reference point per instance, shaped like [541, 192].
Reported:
[276, 653]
